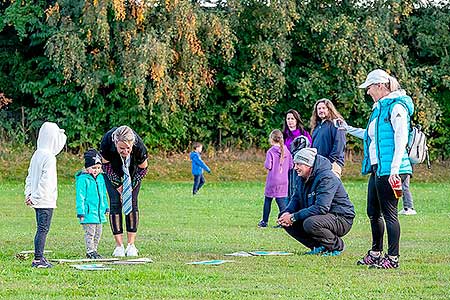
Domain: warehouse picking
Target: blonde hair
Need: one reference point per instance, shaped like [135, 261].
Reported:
[332, 113]
[124, 134]
[393, 84]
[277, 137]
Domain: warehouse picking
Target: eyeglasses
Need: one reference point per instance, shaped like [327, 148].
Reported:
[368, 88]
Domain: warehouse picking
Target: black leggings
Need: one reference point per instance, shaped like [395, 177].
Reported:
[115, 215]
[382, 204]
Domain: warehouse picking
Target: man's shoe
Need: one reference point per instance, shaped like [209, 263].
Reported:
[387, 262]
[41, 263]
[316, 250]
[131, 250]
[408, 212]
[369, 259]
[119, 251]
[332, 253]
[262, 224]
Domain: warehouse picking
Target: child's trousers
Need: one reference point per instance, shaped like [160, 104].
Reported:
[92, 235]
[43, 220]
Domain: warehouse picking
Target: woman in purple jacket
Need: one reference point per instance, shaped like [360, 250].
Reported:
[278, 163]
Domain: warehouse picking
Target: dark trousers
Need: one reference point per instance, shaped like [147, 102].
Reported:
[199, 181]
[382, 204]
[115, 206]
[43, 220]
[321, 230]
[281, 202]
[292, 176]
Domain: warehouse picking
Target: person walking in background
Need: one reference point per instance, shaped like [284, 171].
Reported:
[278, 163]
[197, 167]
[320, 212]
[408, 202]
[91, 201]
[386, 160]
[326, 137]
[293, 129]
[124, 158]
[41, 186]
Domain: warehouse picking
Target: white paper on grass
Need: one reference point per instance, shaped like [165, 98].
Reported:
[209, 262]
[258, 253]
[92, 267]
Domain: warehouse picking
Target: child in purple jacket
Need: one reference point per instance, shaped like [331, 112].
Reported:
[278, 163]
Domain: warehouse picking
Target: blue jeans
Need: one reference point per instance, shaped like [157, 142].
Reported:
[199, 181]
[43, 220]
[407, 196]
[282, 203]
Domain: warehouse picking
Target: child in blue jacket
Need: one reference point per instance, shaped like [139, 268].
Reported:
[92, 203]
[197, 167]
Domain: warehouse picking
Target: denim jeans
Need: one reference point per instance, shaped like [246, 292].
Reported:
[199, 181]
[407, 196]
[282, 203]
[43, 220]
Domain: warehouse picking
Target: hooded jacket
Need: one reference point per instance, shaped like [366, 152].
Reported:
[321, 193]
[197, 164]
[91, 200]
[41, 182]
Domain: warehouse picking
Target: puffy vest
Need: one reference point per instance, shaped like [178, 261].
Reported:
[384, 135]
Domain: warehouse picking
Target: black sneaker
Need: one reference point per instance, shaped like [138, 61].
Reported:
[262, 224]
[387, 262]
[97, 256]
[41, 263]
[90, 255]
[369, 260]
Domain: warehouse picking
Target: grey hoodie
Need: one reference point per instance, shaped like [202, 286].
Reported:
[41, 182]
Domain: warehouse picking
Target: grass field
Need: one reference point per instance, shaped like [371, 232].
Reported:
[176, 228]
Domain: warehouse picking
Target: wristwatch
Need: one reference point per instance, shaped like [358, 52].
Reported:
[292, 218]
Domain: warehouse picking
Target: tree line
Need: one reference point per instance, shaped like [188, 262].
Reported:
[177, 71]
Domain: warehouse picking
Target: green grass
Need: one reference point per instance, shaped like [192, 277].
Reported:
[176, 228]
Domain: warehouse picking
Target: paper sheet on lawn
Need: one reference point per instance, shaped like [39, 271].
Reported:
[258, 253]
[92, 267]
[209, 262]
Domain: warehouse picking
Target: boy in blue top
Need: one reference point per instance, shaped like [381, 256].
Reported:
[92, 203]
[197, 167]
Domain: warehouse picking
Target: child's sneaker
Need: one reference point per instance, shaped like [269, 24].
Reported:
[408, 212]
[316, 250]
[119, 251]
[97, 256]
[262, 224]
[387, 262]
[41, 263]
[332, 253]
[131, 250]
[369, 259]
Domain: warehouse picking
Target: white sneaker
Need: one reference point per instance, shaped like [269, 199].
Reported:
[408, 212]
[131, 250]
[119, 251]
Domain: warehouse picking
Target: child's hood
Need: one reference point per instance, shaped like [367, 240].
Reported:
[51, 138]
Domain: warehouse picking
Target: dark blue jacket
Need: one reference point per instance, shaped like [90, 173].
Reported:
[322, 193]
[329, 142]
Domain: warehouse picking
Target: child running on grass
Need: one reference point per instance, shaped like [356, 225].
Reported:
[92, 203]
[197, 167]
[278, 163]
[41, 186]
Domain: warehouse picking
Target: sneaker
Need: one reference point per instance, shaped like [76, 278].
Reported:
[262, 224]
[90, 255]
[369, 259]
[119, 251]
[131, 250]
[97, 256]
[316, 250]
[332, 253]
[408, 212]
[41, 263]
[387, 262]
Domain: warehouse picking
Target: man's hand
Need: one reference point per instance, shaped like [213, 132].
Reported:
[28, 201]
[285, 220]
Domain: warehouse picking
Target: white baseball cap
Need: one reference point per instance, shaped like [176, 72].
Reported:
[374, 77]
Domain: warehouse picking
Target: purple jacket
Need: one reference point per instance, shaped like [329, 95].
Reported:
[277, 178]
[289, 136]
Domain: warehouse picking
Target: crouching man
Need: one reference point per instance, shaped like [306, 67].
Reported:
[320, 212]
